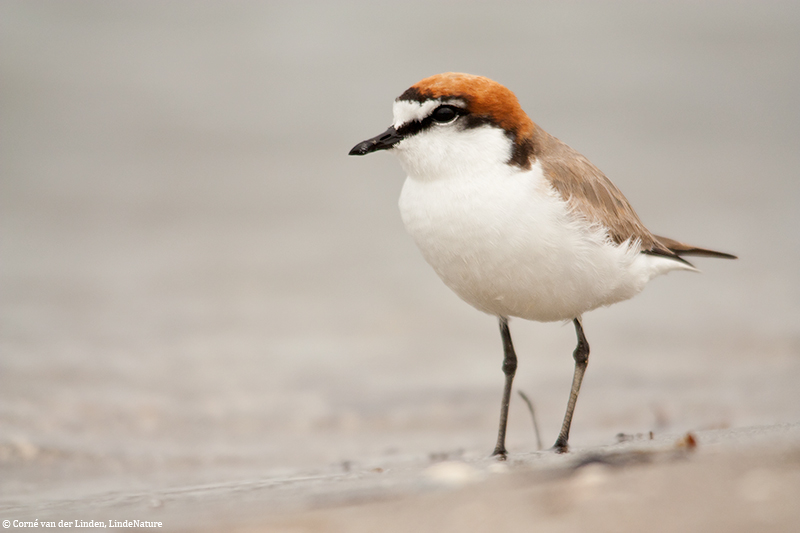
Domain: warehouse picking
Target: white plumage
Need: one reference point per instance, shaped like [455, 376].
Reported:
[505, 241]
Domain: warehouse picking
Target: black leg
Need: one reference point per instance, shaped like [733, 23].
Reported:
[509, 369]
[581, 356]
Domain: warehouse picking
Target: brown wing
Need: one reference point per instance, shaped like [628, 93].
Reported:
[591, 193]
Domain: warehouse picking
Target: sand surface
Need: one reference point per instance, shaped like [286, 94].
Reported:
[212, 317]
[721, 480]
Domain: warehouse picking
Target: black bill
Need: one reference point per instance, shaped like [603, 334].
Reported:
[385, 140]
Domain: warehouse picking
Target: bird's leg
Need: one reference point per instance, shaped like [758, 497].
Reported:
[509, 369]
[581, 356]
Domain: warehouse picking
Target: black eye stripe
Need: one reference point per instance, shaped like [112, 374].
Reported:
[417, 126]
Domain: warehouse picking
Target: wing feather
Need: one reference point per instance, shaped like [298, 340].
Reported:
[591, 194]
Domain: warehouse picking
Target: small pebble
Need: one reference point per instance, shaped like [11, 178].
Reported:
[591, 475]
[453, 474]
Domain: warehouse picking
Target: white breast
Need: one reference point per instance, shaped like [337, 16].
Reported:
[506, 243]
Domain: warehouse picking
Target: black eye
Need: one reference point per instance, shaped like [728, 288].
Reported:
[444, 114]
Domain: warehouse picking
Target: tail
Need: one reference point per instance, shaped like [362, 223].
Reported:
[681, 249]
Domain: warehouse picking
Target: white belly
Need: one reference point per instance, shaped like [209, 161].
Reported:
[509, 246]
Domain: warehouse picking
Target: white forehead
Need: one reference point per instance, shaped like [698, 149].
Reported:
[406, 111]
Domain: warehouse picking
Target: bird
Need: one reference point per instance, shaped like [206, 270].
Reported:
[513, 220]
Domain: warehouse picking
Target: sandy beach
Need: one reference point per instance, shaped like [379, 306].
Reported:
[212, 317]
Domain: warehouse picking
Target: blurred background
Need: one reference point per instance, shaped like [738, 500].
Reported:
[198, 284]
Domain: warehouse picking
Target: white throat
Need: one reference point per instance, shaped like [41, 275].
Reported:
[448, 150]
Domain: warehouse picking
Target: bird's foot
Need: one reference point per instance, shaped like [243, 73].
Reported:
[500, 453]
